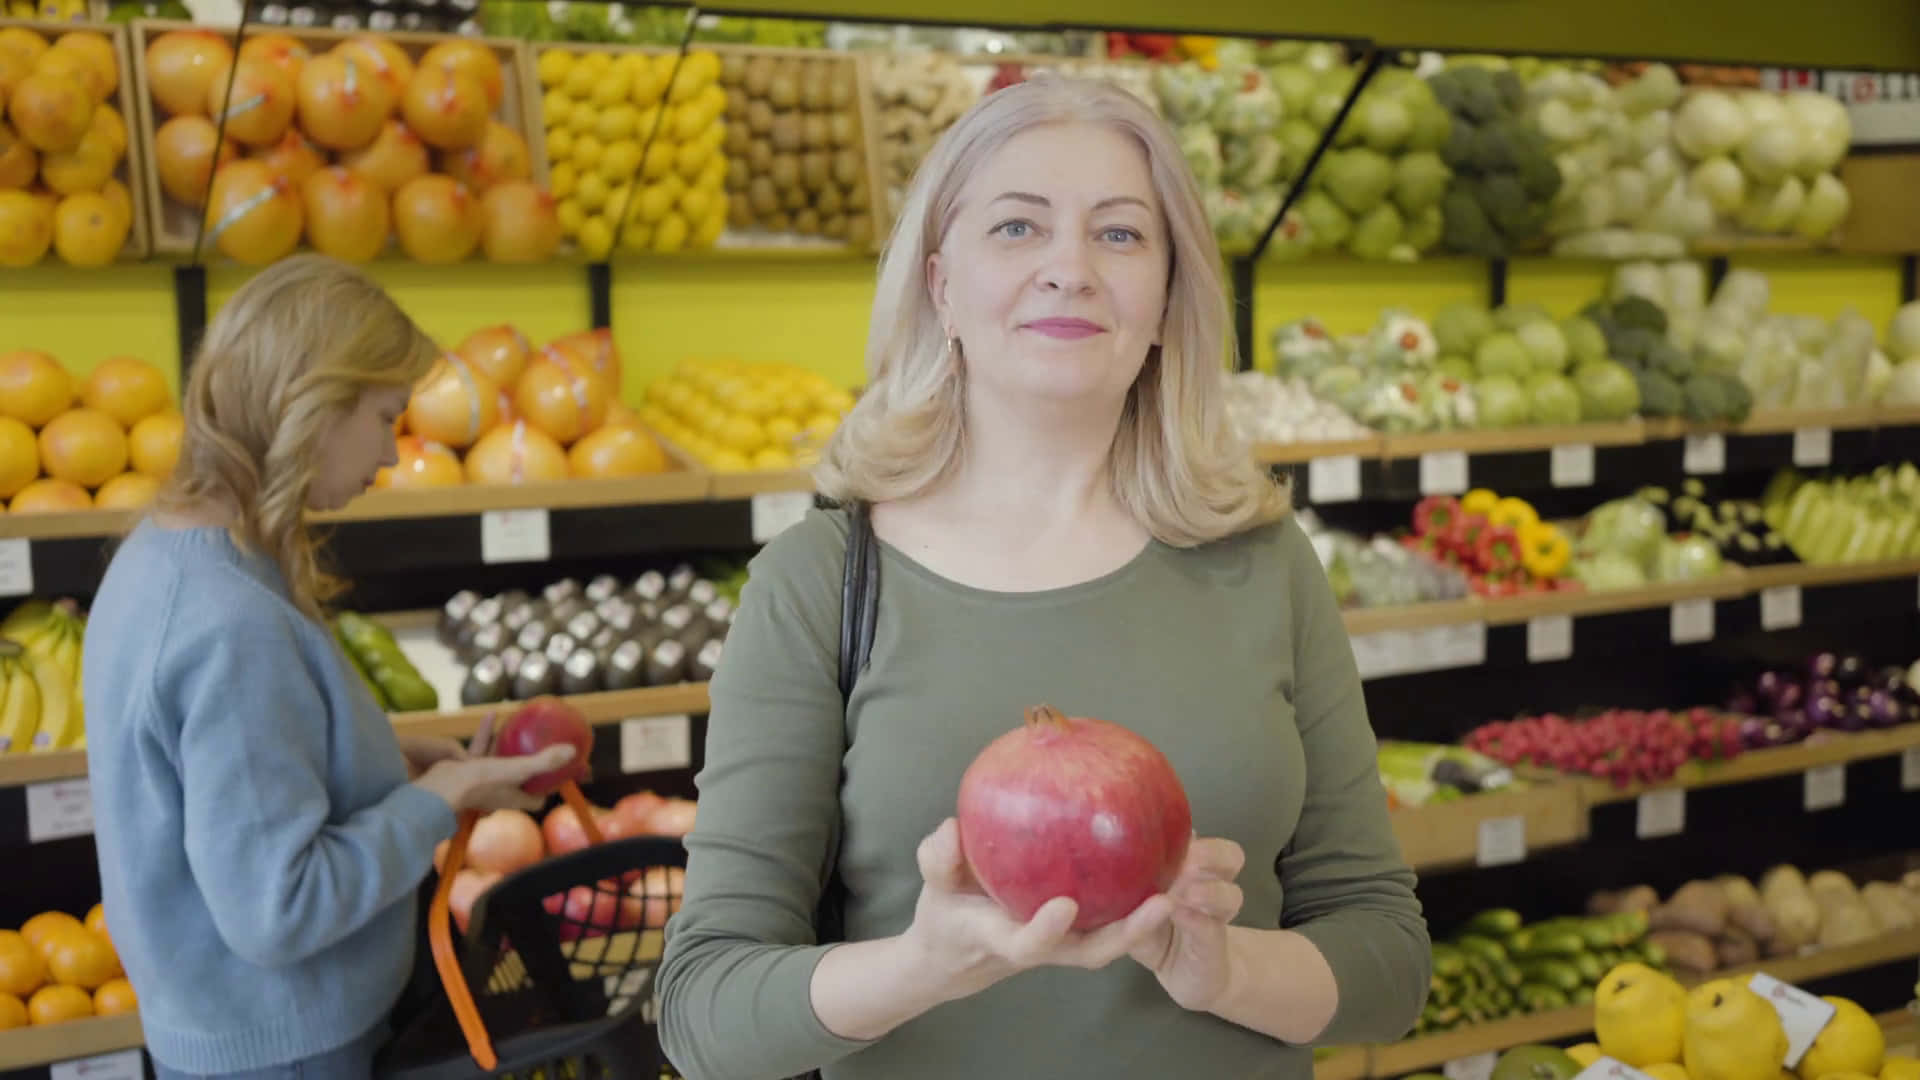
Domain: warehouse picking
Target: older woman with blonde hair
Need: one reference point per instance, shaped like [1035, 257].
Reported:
[262, 833]
[1061, 515]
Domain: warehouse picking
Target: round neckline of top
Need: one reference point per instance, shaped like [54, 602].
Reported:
[1055, 594]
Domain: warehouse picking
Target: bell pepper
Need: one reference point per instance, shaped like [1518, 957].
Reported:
[1545, 550]
[1435, 513]
[1479, 501]
[1498, 550]
[1513, 512]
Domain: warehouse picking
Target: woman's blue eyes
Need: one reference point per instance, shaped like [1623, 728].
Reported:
[1017, 230]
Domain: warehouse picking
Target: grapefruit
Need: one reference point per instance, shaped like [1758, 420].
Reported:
[19, 465]
[74, 66]
[12, 70]
[19, 161]
[260, 103]
[83, 446]
[50, 110]
[454, 404]
[22, 44]
[58, 1004]
[561, 396]
[153, 446]
[34, 388]
[96, 920]
[617, 450]
[86, 167]
[49, 496]
[343, 105]
[181, 66]
[127, 389]
[26, 229]
[120, 199]
[279, 50]
[108, 122]
[388, 62]
[472, 59]
[498, 352]
[293, 157]
[516, 454]
[500, 156]
[114, 998]
[446, 107]
[128, 491]
[347, 216]
[42, 927]
[22, 971]
[422, 464]
[13, 1013]
[437, 219]
[395, 156]
[254, 216]
[88, 230]
[97, 51]
[596, 349]
[522, 224]
[82, 958]
[183, 156]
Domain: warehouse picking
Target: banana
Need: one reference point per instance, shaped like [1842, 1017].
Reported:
[59, 724]
[20, 713]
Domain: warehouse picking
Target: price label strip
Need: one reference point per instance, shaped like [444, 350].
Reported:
[1661, 813]
[1471, 1067]
[1691, 621]
[16, 567]
[1825, 787]
[1910, 769]
[1333, 479]
[58, 810]
[1571, 465]
[1802, 1014]
[515, 536]
[1780, 607]
[1607, 1068]
[1443, 472]
[656, 743]
[1406, 652]
[1549, 638]
[1503, 841]
[1813, 447]
[120, 1065]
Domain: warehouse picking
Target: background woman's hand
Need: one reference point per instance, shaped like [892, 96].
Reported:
[493, 783]
[423, 752]
[969, 941]
[1188, 953]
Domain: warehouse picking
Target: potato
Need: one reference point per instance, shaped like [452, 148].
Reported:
[1735, 948]
[1687, 951]
[1888, 902]
[778, 221]
[733, 69]
[813, 170]
[807, 222]
[829, 202]
[1699, 907]
[783, 89]
[846, 168]
[784, 171]
[795, 198]
[758, 76]
[834, 226]
[785, 131]
[738, 139]
[1846, 922]
[738, 105]
[760, 155]
[739, 212]
[759, 118]
[1832, 883]
[813, 131]
[763, 196]
[1738, 889]
[840, 86]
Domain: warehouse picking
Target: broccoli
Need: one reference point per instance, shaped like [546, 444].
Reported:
[1640, 311]
[1632, 345]
[1670, 358]
[1659, 394]
[1504, 202]
[1711, 397]
[1462, 145]
[1539, 176]
[1513, 94]
[1742, 396]
[1479, 97]
[1497, 147]
[1447, 91]
[1467, 230]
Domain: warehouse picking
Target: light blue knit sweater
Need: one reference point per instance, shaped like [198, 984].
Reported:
[260, 848]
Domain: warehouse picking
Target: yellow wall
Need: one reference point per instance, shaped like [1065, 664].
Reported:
[84, 316]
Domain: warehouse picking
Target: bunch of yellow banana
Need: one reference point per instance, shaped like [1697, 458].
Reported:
[40, 696]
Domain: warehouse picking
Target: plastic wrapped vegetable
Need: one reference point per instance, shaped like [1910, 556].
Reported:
[1201, 147]
[1249, 105]
[1400, 340]
[1187, 92]
[1303, 347]
[1252, 161]
[1233, 220]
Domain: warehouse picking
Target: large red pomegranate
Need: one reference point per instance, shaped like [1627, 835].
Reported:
[544, 722]
[1077, 807]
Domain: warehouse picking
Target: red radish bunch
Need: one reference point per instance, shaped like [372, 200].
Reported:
[1077, 807]
[1624, 746]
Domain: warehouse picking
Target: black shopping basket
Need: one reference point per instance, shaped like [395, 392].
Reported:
[560, 958]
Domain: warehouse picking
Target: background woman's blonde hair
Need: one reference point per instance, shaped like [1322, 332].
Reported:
[1176, 462]
[287, 357]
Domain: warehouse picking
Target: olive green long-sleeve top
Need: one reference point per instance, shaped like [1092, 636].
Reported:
[1231, 657]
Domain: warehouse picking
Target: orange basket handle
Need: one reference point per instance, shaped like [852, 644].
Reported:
[440, 938]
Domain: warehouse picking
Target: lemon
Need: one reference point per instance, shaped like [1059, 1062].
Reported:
[821, 425]
[690, 160]
[572, 215]
[770, 457]
[586, 153]
[558, 109]
[562, 180]
[655, 201]
[714, 176]
[616, 122]
[647, 86]
[584, 118]
[782, 431]
[644, 122]
[730, 461]
[619, 201]
[659, 160]
[637, 238]
[580, 78]
[559, 144]
[592, 191]
[694, 204]
[834, 399]
[596, 238]
[613, 86]
[621, 160]
[554, 66]
[707, 233]
[744, 435]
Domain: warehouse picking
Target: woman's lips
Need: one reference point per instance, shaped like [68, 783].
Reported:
[1069, 329]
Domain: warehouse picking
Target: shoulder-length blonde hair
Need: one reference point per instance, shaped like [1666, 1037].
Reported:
[288, 356]
[1176, 462]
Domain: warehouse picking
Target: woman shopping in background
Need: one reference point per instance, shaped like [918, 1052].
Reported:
[262, 833]
[1063, 517]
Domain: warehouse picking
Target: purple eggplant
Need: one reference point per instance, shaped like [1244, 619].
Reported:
[1850, 670]
[1791, 696]
[1794, 725]
[1767, 686]
[1825, 710]
[1883, 709]
[1757, 732]
[1890, 678]
[1821, 665]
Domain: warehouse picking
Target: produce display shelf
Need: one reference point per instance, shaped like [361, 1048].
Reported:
[1725, 585]
[1444, 835]
[1431, 1051]
[31, 1047]
[1346, 1063]
[1829, 748]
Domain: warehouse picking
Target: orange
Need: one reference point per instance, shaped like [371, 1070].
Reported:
[55, 1004]
[22, 971]
[42, 926]
[96, 919]
[82, 958]
[13, 1012]
[114, 998]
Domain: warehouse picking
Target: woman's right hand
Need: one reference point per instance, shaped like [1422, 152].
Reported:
[970, 942]
[492, 783]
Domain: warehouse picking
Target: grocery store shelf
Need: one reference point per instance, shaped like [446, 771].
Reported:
[1299, 453]
[1347, 1063]
[1825, 748]
[670, 487]
[1443, 835]
[1513, 440]
[29, 1047]
[1413, 1055]
[1518, 609]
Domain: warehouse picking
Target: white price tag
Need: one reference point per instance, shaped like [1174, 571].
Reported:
[1471, 1067]
[1549, 637]
[16, 567]
[58, 810]
[1705, 454]
[777, 511]
[1443, 472]
[1572, 465]
[1691, 621]
[655, 743]
[1802, 1014]
[508, 536]
[1406, 652]
[1813, 447]
[120, 1065]
[1826, 787]
[1661, 813]
[1333, 479]
[1910, 769]
[1607, 1068]
[1780, 607]
[1503, 840]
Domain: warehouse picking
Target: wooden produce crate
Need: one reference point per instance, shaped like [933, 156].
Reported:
[176, 224]
[134, 163]
[816, 189]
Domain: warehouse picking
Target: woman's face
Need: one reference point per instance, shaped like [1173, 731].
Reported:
[1054, 271]
[356, 448]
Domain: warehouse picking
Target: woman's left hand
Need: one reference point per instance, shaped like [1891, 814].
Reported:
[1189, 955]
[423, 752]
